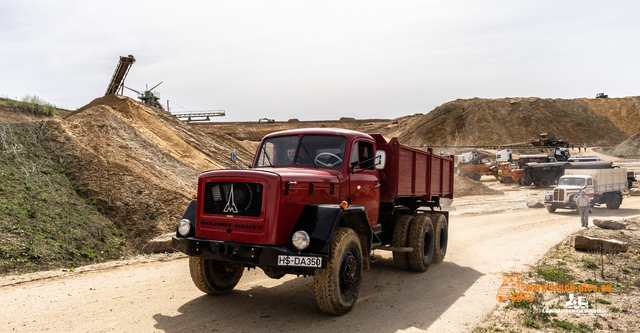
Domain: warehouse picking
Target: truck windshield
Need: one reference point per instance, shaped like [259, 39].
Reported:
[312, 150]
[572, 181]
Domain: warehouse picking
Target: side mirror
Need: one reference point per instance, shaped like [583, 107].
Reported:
[381, 159]
[234, 156]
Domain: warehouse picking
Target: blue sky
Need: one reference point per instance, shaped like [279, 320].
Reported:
[320, 59]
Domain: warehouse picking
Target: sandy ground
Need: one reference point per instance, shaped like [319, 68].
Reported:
[489, 236]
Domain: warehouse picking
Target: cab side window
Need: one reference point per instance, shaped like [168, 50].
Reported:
[362, 155]
[589, 182]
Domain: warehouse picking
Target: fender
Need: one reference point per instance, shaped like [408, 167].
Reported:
[190, 214]
[321, 222]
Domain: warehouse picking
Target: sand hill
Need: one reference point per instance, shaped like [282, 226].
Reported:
[629, 148]
[140, 164]
[602, 122]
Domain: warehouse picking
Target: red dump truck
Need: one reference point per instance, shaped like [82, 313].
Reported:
[317, 202]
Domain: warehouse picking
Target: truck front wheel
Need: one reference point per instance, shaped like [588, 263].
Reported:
[476, 176]
[551, 209]
[441, 228]
[213, 276]
[337, 286]
[421, 239]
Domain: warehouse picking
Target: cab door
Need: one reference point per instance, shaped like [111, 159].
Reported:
[363, 173]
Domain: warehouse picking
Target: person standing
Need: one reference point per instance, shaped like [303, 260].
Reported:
[584, 208]
[585, 147]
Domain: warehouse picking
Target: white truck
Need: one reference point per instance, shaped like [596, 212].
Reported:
[603, 186]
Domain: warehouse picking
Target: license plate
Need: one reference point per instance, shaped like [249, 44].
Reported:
[299, 261]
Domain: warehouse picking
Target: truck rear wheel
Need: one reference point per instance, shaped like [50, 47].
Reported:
[545, 182]
[615, 201]
[400, 239]
[476, 176]
[441, 229]
[421, 238]
[213, 276]
[337, 287]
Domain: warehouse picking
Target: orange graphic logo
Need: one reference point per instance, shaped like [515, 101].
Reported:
[513, 288]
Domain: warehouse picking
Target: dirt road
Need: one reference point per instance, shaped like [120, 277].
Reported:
[489, 235]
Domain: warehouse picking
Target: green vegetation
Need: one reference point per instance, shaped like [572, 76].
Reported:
[45, 221]
[602, 301]
[555, 274]
[32, 104]
[590, 264]
[614, 309]
[570, 327]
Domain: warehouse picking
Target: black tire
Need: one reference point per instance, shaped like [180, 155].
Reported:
[465, 175]
[441, 240]
[615, 202]
[551, 209]
[213, 276]
[400, 239]
[476, 176]
[421, 239]
[545, 182]
[337, 287]
[629, 184]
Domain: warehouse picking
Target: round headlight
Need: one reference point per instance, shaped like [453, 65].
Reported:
[300, 240]
[184, 227]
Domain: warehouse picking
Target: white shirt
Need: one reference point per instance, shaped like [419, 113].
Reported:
[583, 201]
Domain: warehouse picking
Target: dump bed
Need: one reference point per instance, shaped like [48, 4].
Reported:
[411, 172]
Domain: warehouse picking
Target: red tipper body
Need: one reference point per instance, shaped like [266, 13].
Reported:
[412, 172]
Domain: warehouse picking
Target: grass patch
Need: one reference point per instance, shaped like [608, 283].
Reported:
[34, 105]
[602, 301]
[570, 327]
[556, 274]
[590, 264]
[44, 222]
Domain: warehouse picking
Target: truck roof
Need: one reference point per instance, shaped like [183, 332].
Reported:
[326, 131]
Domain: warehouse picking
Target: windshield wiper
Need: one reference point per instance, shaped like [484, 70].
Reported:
[312, 161]
[268, 159]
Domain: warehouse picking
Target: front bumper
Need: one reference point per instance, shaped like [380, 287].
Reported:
[246, 254]
[557, 204]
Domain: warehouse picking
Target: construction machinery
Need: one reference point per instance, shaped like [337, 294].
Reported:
[149, 96]
[267, 120]
[601, 95]
[199, 115]
[471, 165]
[117, 80]
[548, 139]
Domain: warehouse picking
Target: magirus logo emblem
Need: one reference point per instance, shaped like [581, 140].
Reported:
[231, 205]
